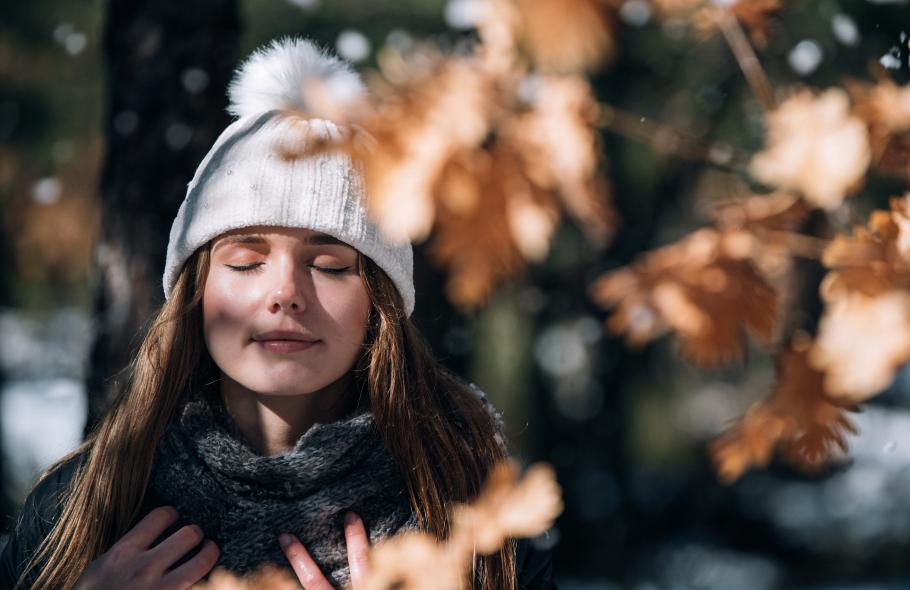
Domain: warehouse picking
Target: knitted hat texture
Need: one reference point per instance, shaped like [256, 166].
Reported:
[248, 179]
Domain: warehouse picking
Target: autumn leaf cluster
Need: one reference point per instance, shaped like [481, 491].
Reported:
[508, 506]
[483, 152]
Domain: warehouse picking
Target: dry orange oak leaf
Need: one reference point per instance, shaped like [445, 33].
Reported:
[560, 151]
[864, 333]
[698, 288]
[763, 228]
[506, 507]
[566, 35]
[798, 420]
[814, 146]
[875, 258]
[885, 108]
[459, 152]
[417, 128]
[488, 240]
[862, 341]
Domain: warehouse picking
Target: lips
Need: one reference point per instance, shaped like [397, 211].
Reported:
[284, 335]
[285, 346]
[285, 341]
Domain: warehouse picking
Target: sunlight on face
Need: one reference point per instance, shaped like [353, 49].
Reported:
[284, 309]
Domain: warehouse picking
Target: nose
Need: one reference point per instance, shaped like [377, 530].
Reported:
[287, 294]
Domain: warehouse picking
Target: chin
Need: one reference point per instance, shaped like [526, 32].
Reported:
[288, 387]
[282, 390]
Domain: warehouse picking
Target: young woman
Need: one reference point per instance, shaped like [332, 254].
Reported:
[282, 407]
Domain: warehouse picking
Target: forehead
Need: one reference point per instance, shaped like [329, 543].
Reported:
[262, 235]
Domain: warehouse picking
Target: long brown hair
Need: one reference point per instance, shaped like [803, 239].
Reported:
[436, 429]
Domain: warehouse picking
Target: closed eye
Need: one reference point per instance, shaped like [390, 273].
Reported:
[331, 271]
[256, 265]
[244, 267]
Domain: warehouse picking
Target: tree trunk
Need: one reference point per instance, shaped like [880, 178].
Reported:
[167, 64]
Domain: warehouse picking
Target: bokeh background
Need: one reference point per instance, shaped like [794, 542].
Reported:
[107, 108]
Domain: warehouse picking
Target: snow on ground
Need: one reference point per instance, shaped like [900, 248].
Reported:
[42, 402]
[40, 421]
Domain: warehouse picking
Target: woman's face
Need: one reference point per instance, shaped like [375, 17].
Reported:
[284, 309]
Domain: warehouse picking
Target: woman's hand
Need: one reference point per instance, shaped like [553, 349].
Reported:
[308, 572]
[132, 563]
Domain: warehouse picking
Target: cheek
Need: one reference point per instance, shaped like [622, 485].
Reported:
[348, 306]
[224, 308]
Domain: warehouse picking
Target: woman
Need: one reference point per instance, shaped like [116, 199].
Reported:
[282, 407]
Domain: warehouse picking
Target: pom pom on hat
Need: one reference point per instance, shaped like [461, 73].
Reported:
[284, 76]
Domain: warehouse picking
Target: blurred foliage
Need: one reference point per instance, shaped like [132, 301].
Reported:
[50, 147]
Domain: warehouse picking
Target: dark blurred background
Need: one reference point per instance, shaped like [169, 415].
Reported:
[107, 108]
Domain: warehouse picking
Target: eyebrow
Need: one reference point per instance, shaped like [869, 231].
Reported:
[313, 240]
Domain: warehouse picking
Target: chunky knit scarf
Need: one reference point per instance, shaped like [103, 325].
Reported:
[243, 500]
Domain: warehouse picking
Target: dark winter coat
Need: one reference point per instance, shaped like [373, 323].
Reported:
[42, 508]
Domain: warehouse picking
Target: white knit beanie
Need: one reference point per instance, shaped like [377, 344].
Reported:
[246, 180]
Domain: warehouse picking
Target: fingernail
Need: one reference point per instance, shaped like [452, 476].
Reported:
[284, 540]
[350, 518]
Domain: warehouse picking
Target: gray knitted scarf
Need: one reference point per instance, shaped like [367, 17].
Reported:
[243, 501]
